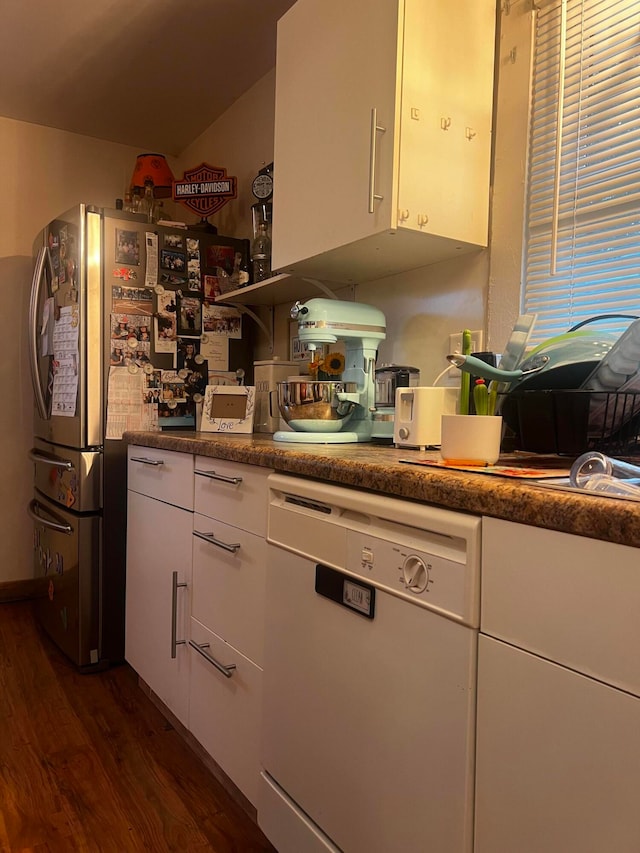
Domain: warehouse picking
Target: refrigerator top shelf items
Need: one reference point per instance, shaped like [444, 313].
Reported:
[279, 289]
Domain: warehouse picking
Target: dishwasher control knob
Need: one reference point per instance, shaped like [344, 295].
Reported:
[415, 574]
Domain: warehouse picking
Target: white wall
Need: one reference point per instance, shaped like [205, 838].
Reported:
[241, 141]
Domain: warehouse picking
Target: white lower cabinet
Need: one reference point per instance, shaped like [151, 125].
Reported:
[227, 616]
[195, 598]
[225, 708]
[558, 724]
[157, 603]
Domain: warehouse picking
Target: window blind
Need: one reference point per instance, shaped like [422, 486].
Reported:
[584, 154]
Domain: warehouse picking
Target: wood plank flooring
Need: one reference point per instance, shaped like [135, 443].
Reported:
[88, 763]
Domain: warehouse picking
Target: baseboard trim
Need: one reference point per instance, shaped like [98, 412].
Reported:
[21, 590]
[214, 768]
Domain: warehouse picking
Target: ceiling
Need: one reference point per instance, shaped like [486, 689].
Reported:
[153, 74]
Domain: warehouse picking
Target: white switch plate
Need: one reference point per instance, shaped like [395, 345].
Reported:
[477, 342]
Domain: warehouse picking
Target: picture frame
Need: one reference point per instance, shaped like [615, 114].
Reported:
[228, 409]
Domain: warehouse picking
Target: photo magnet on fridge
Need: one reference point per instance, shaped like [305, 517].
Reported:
[189, 316]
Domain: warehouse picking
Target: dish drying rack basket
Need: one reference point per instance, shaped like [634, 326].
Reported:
[572, 422]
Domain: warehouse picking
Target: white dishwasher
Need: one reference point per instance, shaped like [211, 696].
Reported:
[372, 617]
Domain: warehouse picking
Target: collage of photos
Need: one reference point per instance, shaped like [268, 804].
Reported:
[130, 340]
[162, 304]
[166, 390]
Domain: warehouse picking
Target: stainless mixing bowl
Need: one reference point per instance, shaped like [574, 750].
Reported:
[314, 406]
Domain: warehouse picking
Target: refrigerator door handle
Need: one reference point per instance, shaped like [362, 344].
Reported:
[57, 523]
[54, 461]
[44, 256]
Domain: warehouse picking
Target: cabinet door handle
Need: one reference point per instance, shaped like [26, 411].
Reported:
[146, 461]
[211, 539]
[213, 476]
[375, 129]
[174, 614]
[226, 670]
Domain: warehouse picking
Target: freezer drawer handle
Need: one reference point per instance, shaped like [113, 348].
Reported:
[211, 539]
[235, 481]
[146, 461]
[50, 460]
[59, 524]
[174, 614]
[227, 670]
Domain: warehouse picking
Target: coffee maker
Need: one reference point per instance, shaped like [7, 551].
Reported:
[388, 377]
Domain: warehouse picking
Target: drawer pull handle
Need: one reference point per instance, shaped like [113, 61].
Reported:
[50, 459]
[227, 670]
[35, 509]
[235, 481]
[211, 539]
[174, 614]
[146, 461]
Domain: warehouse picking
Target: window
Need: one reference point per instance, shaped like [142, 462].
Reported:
[582, 220]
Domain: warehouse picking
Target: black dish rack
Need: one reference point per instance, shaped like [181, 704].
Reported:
[572, 422]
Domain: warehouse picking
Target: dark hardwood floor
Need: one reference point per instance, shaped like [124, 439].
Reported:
[88, 763]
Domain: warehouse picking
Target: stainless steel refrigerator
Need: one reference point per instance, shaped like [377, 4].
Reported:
[79, 502]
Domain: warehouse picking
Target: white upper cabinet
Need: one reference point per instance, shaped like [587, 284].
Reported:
[382, 135]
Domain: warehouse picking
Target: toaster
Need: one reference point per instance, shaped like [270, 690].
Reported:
[418, 413]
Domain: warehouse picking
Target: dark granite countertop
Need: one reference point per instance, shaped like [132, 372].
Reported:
[379, 469]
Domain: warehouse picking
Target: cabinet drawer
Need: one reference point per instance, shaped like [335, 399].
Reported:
[567, 598]
[232, 492]
[161, 474]
[228, 586]
[224, 712]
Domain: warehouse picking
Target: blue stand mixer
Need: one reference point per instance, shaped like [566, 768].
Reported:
[337, 412]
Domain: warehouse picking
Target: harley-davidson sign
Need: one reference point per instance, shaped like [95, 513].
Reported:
[205, 189]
